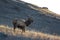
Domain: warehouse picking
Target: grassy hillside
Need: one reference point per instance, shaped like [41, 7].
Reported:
[45, 20]
[8, 33]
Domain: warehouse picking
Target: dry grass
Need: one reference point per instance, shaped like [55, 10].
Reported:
[47, 12]
[31, 34]
[50, 13]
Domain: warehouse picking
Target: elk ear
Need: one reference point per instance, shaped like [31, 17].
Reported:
[30, 18]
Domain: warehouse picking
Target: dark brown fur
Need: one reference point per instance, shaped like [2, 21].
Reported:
[22, 25]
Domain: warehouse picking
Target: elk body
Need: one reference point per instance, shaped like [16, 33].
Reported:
[22, 24]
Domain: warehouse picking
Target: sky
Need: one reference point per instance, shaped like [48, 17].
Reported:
[53, 5]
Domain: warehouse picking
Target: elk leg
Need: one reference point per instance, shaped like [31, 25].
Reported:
[14, 27]
[23, 30]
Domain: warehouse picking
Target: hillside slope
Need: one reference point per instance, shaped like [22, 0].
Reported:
[8, 33]
[44, 20]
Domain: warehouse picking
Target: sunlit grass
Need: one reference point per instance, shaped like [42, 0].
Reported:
[31, 34]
